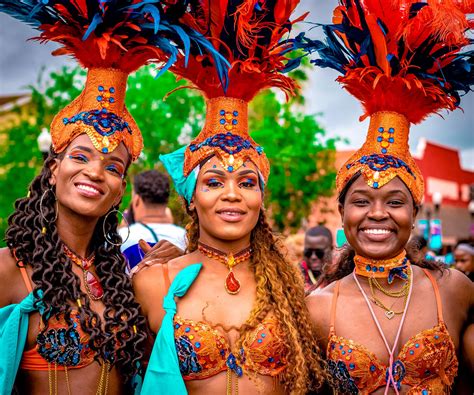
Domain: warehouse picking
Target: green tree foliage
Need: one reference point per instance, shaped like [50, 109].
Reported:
[301, 157]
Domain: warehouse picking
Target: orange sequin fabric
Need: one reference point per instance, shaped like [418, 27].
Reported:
[60, 345]
[384, 156]
[203, 351]
[427, 362]
[100, 112]
[226, 136]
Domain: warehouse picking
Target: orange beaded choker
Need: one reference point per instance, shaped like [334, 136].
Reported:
[232, 285]
[386, 268]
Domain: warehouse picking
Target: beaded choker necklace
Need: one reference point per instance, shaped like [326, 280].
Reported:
[93, 288]
[232, 285]
[387, 268]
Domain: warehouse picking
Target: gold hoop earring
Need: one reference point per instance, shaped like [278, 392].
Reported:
[41, 206]
[106, 237]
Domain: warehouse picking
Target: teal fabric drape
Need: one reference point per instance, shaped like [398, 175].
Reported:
[163, 376]
[14, 320]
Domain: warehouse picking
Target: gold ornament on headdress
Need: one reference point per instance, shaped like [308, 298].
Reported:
[226, 136]
[384, 156]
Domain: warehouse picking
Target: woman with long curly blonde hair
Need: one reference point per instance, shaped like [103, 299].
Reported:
[242, 329]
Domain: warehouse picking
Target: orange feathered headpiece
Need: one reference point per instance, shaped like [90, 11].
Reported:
[111, 39]
[249, 34]
[402, 61]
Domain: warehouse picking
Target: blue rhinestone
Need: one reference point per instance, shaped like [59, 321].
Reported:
[112, 90]
[379, 139]
[99, 98]
[384, 150]
[222, 112]
[368, 268]
[424, 392]
[270, 359]
[259, 340]
[427, 372]
[391, 130]
[351, 366]
[417, 345]
[374, 269]
[230, 168]
[341, 347]
[391, 140]
[350, 350]
[263, 335]
[234, 122]
[343, 353]
[381, 269]
[436, 337]
[187, 329]
[222, 352]
[65, 120]
[222, 121]
[381, 129]
[104, 110]
[235, 113]
[375, 184]
[372, 368]
[177, 326]
[111, 100]
[105, 150]
[101, 88]
[412, 352]
[198, 344]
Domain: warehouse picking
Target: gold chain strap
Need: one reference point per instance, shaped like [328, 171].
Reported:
[103, 385]
[229, 389]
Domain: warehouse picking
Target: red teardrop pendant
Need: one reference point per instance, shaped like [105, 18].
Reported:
[232, 285]
[94, 288]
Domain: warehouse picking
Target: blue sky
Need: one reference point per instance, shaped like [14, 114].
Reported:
[21, 60]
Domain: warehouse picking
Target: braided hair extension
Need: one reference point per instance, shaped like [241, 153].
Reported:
[280, 291]
[53, 275]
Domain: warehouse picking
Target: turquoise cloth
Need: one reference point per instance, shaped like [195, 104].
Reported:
[174, 164]
[13, 332]
[163, 375]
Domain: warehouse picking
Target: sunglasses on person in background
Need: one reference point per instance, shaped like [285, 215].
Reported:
[308, 252]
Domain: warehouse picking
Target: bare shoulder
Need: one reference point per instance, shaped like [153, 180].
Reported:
[456, 284]
[12, 288]
[151, 286]
[178, 264]
[319, 306]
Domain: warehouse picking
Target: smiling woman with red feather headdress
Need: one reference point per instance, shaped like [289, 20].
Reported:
[69, 322]
[395, 325]
[240, 324]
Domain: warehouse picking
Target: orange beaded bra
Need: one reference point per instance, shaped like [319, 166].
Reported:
[427, 362]
[203, 351]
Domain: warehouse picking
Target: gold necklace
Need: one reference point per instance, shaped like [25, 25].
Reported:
[232, 284]
[389, 312]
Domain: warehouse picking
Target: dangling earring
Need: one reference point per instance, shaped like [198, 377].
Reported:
[43, 230]
[106, 237]
[413, 226]
[191, 207]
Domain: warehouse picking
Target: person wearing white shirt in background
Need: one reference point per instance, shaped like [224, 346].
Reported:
[153, 219]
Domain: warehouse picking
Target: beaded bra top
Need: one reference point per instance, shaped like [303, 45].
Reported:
[59, 344]
[203, 351]
[427, 362]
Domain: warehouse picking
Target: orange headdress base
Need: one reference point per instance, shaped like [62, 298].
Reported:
[384, 156]
[226, 136]
[100, 112]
